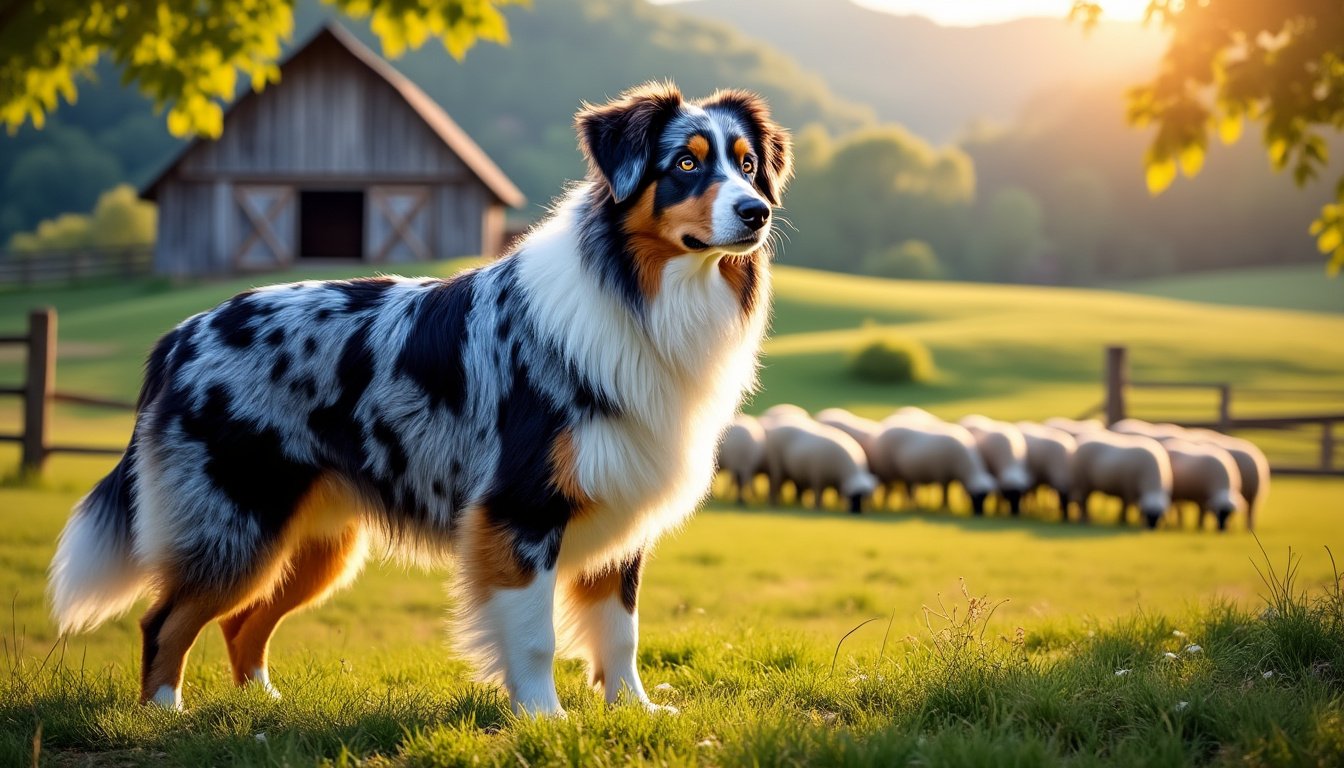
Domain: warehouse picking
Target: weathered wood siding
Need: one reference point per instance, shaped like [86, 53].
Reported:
[328, 117]
[186, 230]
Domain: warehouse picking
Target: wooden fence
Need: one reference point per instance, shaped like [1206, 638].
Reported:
[75, 265]
[39, 392]
[1116, 407]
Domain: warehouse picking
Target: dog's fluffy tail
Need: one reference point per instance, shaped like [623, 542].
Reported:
[94, 576]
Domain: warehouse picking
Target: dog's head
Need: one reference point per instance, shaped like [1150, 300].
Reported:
[688, 176]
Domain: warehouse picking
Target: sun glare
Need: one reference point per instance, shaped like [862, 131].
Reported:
[965, 13]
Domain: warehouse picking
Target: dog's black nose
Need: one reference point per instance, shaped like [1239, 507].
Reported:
[753, 212]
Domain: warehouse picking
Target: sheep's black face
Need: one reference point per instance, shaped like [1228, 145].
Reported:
[1014, 499]
[856, 503]
[1223, 514]
[1152, 517]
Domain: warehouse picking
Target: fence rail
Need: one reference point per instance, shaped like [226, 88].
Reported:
[39, 393]
[1116, 406]
[74, 265]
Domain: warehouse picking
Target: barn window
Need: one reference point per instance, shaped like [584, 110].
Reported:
[331, 224]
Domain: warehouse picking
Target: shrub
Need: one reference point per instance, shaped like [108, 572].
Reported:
[911, 260]
[892, 359]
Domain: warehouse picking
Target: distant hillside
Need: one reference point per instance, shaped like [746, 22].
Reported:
[936, 80]
[516, 101]
[1303, 287]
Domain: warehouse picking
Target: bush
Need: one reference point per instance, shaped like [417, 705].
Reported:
[892, 360]
[911, 260]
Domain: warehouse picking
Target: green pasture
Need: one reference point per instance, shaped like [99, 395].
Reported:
[743, 610]
[1298, 286]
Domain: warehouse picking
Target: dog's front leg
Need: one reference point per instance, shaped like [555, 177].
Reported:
[524, 620]
[506, 614]
[606, 618]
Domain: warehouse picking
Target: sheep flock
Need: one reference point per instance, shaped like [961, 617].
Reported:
[1157, 472]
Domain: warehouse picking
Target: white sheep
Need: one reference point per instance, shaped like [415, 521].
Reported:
[918, 452]
[864, 431]
[913, 412]
[816, 457]
[1160, 431]
[1251, 463]
[1075, 427]
[742, 453]
[783, 412]
[1049, 458]
[1134, 468]
[1004, 451]
[1206, 475]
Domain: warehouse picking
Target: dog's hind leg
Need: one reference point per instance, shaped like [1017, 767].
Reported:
[315, 569]
[169, 630]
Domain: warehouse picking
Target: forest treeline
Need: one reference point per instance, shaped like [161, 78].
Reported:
[1054, 196]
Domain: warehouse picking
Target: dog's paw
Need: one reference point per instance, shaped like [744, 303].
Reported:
[660, 709]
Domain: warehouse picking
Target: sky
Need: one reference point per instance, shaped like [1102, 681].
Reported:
[973, 12]
[965, 13]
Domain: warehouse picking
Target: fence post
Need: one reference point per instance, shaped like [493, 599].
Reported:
[1224, 407]
[1327, 445]
[39, 387]
[1117, 378]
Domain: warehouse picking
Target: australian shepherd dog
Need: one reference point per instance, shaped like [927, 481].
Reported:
[540, 421]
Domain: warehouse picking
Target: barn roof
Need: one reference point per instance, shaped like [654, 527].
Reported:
[453, 137]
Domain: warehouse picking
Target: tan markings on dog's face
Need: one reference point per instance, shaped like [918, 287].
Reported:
[485, 555]
[564, 458]
[699, 147]
[740, 150]
[656, 239]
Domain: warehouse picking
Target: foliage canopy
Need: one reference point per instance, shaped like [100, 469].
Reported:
[186, 55]
[1278, 63]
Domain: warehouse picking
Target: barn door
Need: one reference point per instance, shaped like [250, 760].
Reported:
[399, 224]
[266, 226]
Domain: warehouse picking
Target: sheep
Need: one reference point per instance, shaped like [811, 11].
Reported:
[1049, 457]
[1004, 451]
[742, 453]
[784, 412]
[1206, 475]
[920, 452]
[913, 412]
[864, 431]
[1132, 467]
[1075, 427]
[816, 457]
[1251, 463]
[1161, 431]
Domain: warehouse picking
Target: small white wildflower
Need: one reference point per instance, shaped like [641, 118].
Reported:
[1181, 706]
[709, 743]
[859, 678]
[1121, 672]
[728, 646]
[664, 688]
[1192, 648]
[699, 611]
[1267, 674]
[1177, 633]
[260, 736]
[1169, 656]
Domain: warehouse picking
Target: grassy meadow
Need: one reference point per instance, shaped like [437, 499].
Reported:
[743, 612]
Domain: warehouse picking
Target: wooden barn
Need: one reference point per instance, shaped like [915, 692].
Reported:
[345, 159]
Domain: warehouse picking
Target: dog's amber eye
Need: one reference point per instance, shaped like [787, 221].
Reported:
[748, 166]
[687, 163]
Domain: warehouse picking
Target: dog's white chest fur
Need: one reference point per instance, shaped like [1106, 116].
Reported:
[681, 375]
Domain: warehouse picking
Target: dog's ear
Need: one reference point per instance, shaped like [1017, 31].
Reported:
[775, 166]
[619, 137]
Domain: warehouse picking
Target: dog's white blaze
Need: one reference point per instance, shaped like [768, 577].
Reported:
[727, 224]
[680, 377]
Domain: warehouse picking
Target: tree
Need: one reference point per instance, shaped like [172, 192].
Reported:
[187, 54]
[911, 260]
[1277, 63]
[120, 218]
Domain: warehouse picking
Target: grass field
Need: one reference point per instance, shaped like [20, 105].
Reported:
[1298, 286]
[743, 610]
